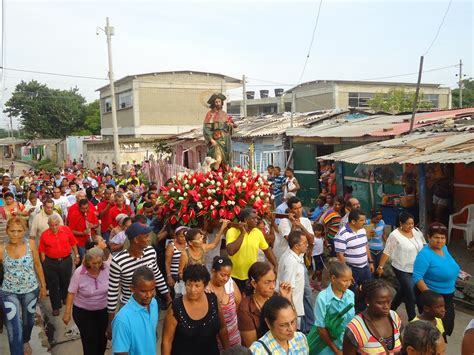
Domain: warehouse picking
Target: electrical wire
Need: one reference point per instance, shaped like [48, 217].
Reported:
[54, 74]
[311, 43]
[439, 29]
[407, 74]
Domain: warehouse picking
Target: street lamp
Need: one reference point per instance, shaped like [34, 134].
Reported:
[109, 32]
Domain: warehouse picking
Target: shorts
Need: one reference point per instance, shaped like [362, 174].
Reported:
[318, 262]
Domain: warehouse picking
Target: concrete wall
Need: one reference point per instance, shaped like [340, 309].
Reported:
[315, 102]
[164, 101]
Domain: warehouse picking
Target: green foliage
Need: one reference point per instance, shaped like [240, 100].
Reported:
[45, 164]
[467, 94]
[396, 101]
[51, 113]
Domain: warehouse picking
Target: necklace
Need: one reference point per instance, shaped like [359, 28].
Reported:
[259, 306]
[410, 239]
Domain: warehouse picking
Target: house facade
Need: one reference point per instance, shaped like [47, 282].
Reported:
[161, 104]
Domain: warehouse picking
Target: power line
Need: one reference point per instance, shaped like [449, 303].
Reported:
[407, 74]
[439, 29]
[270, 82]
[54, 74]
[312, 40]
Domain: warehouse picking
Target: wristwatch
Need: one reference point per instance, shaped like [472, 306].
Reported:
[380, 267]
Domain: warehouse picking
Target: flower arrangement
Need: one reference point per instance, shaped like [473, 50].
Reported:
[189, 197]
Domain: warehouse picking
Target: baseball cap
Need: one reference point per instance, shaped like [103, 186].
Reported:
[137, 229]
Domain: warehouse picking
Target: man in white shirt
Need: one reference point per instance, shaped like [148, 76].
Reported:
[292, 269]
[61, 201]
[296, 222]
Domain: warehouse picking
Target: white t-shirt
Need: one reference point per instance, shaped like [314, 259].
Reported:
[291, 269]
[36, 210]
[280, 246]
[318, 247]
[403, 250]
[63, 204]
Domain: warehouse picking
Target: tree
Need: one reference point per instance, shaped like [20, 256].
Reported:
[467, 94]
[396, 101]
[91, 120]
[44, 112]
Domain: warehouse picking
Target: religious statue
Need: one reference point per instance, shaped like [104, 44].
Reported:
[217, 129]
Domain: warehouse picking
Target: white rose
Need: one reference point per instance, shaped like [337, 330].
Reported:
[209, 198]
[238, 183]
[194, 181]
[185, 194]
[257, 199]
[233, 203]
[244, 185]
[253, 196]
[186, 186]
[225, 182]
[172, 189]
[212, 207]
[213, 182]
[180, 198]
[216, 203]
[262, 193]
[178, 191]
[185, 181]
[218, 183]
[201, 184]
[199, 205]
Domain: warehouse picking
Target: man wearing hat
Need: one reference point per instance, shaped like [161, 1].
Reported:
[217, 130]
[123, 265]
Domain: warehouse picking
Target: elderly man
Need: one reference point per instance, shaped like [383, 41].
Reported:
[351, 204]
[55, 252]
[126, 262]
[291, 269]
[119, 208]
[243, 244]
[40, 221]
[83, 224]
[296, 222]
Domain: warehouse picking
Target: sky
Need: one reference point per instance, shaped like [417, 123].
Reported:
[268, 41]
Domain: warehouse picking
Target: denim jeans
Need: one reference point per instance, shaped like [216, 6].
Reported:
[405, 293]
[308, 320]
[19, 310]
[360, 275]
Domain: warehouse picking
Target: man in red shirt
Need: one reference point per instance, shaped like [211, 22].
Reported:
[80, 195]
[55, 247]
[120, 207]
[103, 208]
[82, 223]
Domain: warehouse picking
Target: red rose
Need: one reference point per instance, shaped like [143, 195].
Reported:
[237, 210]
[214, 214]
[173, 219]
[185, 218]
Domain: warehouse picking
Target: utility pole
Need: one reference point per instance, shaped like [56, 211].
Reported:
[244, 97]
[460, 83]
[109, 32]
[415, 101]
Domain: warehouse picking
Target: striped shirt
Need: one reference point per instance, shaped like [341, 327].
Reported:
[122, 267]
[174, 267]
[353, 245]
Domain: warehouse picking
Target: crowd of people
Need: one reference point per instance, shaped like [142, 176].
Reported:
[94, 241]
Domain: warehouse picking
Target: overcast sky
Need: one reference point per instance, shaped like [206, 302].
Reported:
[265, 40]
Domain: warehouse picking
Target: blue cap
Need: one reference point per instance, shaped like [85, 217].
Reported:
[137, 229]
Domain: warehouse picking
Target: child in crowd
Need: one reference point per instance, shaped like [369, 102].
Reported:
[318, 255]
[117, 235]
[433, 310]
[333, 305]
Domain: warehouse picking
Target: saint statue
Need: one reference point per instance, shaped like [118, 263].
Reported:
[217, 129]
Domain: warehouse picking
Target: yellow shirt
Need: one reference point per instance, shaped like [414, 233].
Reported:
[248, 252]
[439, 324]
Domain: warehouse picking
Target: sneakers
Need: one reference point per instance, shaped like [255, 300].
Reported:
[27, 350]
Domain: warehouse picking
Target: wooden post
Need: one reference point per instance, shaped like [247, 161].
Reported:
[422, 205]
[415, 101]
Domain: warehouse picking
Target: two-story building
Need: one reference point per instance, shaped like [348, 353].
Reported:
[161, 104]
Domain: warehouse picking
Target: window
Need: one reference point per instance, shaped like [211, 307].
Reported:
[125, 99]
[359, 99]
[433, 99]
[107, 105]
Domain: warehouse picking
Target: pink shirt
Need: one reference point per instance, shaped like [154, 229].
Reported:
[90, 293]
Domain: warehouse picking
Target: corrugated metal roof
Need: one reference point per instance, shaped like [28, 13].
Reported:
[416, 148]
[377, 125]
[279, 123]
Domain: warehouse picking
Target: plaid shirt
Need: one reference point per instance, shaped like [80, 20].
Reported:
[296, 346]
